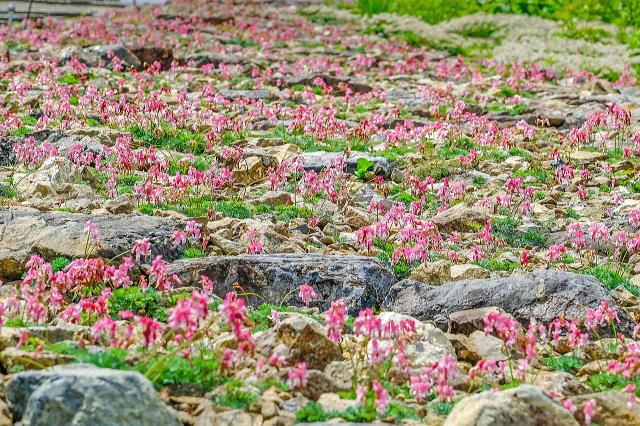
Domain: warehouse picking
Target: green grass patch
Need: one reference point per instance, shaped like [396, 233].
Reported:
[611, 279]
[165, 137]
[567, 363]
[497, 265]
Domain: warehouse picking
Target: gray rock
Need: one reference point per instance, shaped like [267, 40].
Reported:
[321, 160]
[25, 232]
[525, 405]
[7, 157]
[83, 394]
[577, 115]
[214, 59]
[249, 94]
[333, 81]
[65, 142]
[361, 281]
[52, 178]
[128, 59]
[85, 56]
[543, 294]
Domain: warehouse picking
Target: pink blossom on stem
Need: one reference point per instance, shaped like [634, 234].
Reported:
[297, 377]
[307, 293]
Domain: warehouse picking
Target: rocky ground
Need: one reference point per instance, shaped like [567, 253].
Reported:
[278, 212]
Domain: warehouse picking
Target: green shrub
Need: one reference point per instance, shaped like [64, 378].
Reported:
[192, 252]
[497, 265]
[533, 238]
[134, 300]
[505, 228]
[566, 363]
[236, 398]
[59, 263]
[201, 370]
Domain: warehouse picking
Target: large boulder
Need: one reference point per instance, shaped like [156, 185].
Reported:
[543, 294]
[361, 281]
[525, 405]
[83, 394]
[25, 232]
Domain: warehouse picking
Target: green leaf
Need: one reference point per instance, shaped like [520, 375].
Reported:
[363, 167]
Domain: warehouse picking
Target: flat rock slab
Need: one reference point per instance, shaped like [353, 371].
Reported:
[249, 94]
[321, 160]
[543, 294]
[361, 281]
[82, 394]
[25, 232]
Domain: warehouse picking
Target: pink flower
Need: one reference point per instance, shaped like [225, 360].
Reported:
[382, 397]
[207, 284]
[307, 293]
[589, 409]
[334, 320]
[186, 315]
[604, 315]
[151, 330]
[297, 377]
[361, 395]
[506, 327]
[569, 405]
[193, 230]
[254, 247]
[125, 314]
[477, 254]
[554, 252]
[524, 258]
[104, 324]
[179, 238]
[275, 316]
[23, 339]
[367, 324]
[141, 248]
[631, 388]
[91, 230]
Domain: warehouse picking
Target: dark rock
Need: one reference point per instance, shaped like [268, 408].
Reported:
[361, 281]
[577, 115]
[83, 394]
[148, 55]
[543, 294]
[7, 157]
